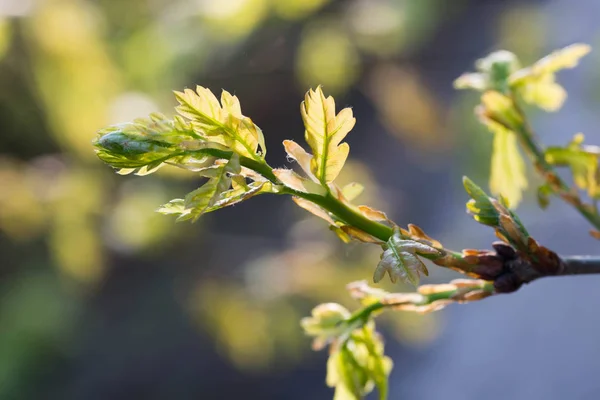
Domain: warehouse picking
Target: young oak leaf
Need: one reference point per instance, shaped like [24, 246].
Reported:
[298, 154]
[537, 83]
[221, 122]
[352, 190]
[314, 209]
[294, 181]
[359, 235]
[584, 162]
[400, 259]
[507, 177]
[205, 198]
[359, 364]
[324, 132]
[372, 214]
[146, 144]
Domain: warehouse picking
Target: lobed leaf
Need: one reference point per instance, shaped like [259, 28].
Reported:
[400, 259]
[226, 186]
[294, 181]
[537, 83]
[352, 190]
[221, 122]
[567, 57]
[583, 161]
[324, 132]
[372, 214]
[314, 209]
[358, 365]
[298, 154]
[507, 177]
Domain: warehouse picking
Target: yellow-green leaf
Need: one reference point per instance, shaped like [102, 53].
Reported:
[400, 260]
[314, 209]
[567, 57]
[583, 161]
[324, 132]
[507, 176]
[294, 181]
[544, 92]
[298, 154]
[223, 122]
[205, 198]
[500, 108]
[373, 214]
[352, 190]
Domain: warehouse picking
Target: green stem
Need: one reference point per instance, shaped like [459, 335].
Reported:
[342, 211]
[536, 153]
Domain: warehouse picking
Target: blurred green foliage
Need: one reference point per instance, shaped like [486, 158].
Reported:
[70, 67]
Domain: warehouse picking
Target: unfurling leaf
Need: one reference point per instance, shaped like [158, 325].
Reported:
[147, 143]
[324, 132]
[493, 73]
[294, 181]
[507, 176]
[223, 122]
[358, 365]
[400, 259]
[416, 233]
[544, 92]
[359, 235]
[314, 209]
[203, 199]
[495, 213]
[297, 153]
[543, 195]
[567, 57]
[352, 190]
[326, 324]
[372, 214]
[225, 187]
[480, 205]
[500, 109]
[537, 83]
[582, 160]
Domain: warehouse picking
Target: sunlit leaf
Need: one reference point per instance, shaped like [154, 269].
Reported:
[325, 324]
[221, 122]
[314, 209]
[493, 73]
[500, 108]
[400, 260]
[359, 235]
[544, 92]
[324, 132]
[480, 205]
[206, 197]
[583, 162]
[507, 177]
[298, 154]
[372, 214]
[537, 83]
[358, 365]
[294, 181]
[416, 233]
[352, 190]
[567, 57]
[145, 144]
[472, 80]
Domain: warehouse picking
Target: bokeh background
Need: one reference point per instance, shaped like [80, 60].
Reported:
[100, 298]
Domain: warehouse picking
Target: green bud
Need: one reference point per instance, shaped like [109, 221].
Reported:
[119, 142]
